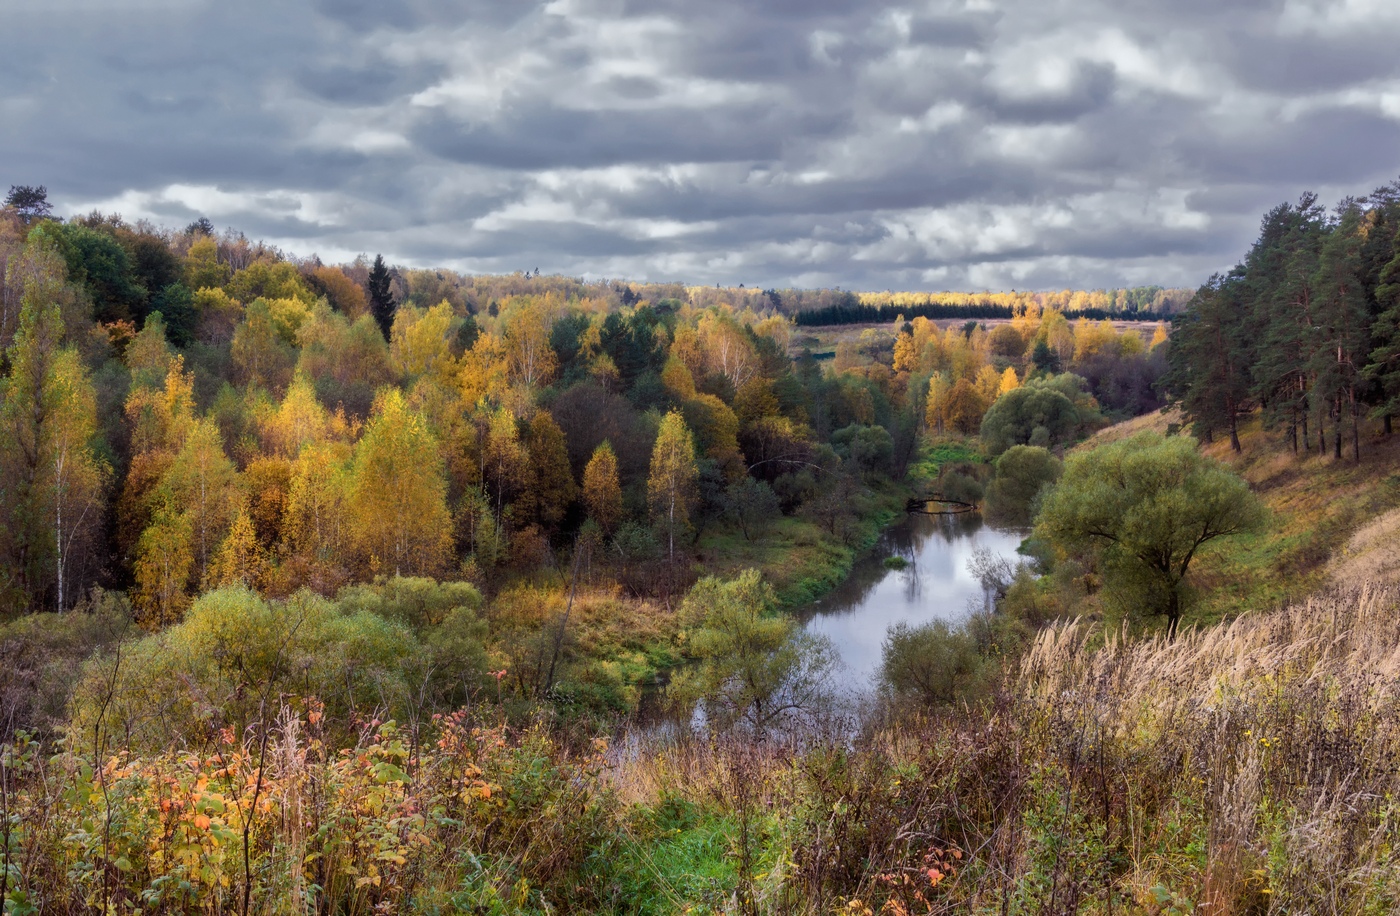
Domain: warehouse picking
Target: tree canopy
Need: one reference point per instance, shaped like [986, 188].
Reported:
[1144, 507]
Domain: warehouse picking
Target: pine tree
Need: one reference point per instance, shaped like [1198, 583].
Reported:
[1343, 323]
[1210, 358]
[1384, 365]
[381, 296]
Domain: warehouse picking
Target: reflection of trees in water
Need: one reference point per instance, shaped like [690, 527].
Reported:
[905, 539]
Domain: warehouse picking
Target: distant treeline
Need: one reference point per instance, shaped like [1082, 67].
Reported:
[1144, 303]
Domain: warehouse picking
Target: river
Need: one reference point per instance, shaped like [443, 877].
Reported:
[936, 585]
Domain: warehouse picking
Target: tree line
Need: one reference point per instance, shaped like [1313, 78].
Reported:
[1305, 330]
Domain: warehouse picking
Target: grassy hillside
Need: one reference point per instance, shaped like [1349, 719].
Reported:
[1330, 522]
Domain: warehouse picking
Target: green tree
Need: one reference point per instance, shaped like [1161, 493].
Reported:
[381, 296]
[1384, 365]
[755, 665]
[752, 505]
[1022, 472]
[1211, 356]
[671, 486]
[1037, 413]
[1343, 322]
[1146, 506]
[29, 202]
[98, 262]
[933, 663]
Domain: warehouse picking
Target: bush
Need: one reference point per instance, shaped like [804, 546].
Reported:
[415, 602]
[960, 487]
[39, 653]
[1022, 472]
[932, 663]
[1044, 411]
[869, 448]
[235, 653]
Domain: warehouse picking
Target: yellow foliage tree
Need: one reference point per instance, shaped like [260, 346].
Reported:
[1009, 381]
[602, 492]
[905, 353]
[551, 489]
[483, 374]
[935, 412]
[671, 485]
[240, 560]
[531, 359]
[203, 486]
[505, 463]
[203, 270]
[398, 493]
[988, 383]
[298, 421]
[163, 563]
[314, 521]
[419, 344]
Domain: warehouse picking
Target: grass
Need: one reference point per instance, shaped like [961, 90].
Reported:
[937, 453]
[1317, 506]
[802, 560]
[1328, 522]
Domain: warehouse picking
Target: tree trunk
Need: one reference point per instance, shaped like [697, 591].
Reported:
[1355, 427]
[1337, 432]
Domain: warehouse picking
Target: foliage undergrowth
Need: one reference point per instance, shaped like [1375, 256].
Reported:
[1242, 768]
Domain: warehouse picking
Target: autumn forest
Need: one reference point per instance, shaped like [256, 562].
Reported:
[362, 588]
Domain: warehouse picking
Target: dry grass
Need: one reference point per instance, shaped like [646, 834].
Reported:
[1157, 421]
[1278, 732]
[1372, 554]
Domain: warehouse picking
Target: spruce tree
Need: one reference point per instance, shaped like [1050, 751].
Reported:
[381, 296]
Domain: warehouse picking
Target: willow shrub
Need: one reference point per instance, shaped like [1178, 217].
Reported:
[235, 654]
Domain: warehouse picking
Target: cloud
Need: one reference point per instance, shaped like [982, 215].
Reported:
[861, 143]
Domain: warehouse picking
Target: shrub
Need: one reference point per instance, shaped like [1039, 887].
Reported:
[39, 653]
[933, 663]
[1022, 472]
[235, 653]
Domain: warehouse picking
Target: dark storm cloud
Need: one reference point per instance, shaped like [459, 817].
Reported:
[898, 143]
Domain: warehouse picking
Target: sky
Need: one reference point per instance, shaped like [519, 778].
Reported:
[985, 144]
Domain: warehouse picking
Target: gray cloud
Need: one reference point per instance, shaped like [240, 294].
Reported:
[959, 144]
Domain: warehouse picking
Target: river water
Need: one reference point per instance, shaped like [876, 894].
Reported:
[936, 585]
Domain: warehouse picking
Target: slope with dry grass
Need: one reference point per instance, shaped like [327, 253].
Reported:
[1330, 521]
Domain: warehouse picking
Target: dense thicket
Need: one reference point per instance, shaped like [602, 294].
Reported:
[1306, 328]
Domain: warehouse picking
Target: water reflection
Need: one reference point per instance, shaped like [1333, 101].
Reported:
[935, 586]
